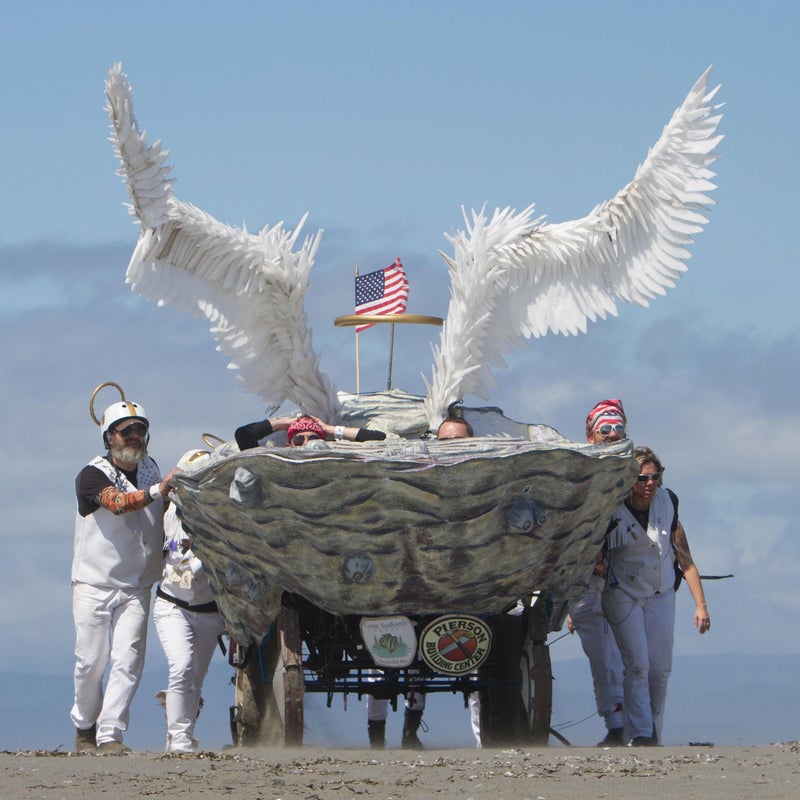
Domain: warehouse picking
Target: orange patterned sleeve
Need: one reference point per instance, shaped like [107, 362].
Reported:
[118, 502]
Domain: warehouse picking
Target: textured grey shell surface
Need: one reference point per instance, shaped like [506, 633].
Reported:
[403, 526]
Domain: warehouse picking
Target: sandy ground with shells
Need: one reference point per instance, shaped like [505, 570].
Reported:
[309, 774]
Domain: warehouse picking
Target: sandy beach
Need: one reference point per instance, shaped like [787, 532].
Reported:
[757, 773]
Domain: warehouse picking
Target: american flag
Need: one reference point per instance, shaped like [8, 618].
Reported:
[384, 291]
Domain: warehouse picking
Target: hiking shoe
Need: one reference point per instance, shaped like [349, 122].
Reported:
[615, 737]
[113, 747]
[86, 740]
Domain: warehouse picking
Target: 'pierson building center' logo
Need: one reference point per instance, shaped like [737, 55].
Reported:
[455, 644]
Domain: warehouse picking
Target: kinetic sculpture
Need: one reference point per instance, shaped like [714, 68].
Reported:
[407, 526]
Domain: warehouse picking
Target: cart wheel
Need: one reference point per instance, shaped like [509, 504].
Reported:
[256, 718]
[540, 702]
[504, 718]
[292, 655]
[517, 708]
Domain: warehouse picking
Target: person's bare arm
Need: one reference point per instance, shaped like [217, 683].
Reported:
[692, 577]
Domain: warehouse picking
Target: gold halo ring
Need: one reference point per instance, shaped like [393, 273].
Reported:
[206, 437]
[94, 395]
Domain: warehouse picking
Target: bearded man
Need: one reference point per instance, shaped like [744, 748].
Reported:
[119, 536]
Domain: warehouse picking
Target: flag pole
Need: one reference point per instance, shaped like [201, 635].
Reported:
[391, 354]
[358, 366]
[374, 296]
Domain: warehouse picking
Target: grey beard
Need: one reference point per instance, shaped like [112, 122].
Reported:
[129, 455]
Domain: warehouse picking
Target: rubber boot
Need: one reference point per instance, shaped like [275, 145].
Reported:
[411, 724]
[377, 733]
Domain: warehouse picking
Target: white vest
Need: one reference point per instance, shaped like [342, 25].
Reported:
[641, 561]
[121, 551]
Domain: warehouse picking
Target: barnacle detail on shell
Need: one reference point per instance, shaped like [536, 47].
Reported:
[358, 568]
[524, 516]
[244, 487]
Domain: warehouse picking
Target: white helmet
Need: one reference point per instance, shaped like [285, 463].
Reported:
[119, 411]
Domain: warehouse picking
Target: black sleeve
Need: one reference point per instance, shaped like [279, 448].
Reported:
[674, 499]
[366, 435]
[88, 485]
[247, 436]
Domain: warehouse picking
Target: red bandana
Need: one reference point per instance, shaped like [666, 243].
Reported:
[304, 424]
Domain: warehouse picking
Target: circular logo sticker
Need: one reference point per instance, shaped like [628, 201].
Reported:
[455, 644]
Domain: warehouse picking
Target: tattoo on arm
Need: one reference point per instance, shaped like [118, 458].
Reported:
[118, 502]
[682, 547]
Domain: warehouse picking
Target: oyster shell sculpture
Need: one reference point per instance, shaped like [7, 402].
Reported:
[403, 526]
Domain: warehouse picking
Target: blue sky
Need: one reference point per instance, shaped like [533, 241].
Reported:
[381, 121]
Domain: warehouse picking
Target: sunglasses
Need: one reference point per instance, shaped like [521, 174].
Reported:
[607, 429]
[655, 476]
[299, 439]
[137, 427]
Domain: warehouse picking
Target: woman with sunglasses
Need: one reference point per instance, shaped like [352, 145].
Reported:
[643, 542]
[605, 424]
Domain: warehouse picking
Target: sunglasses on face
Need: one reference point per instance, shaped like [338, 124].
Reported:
[136, 428]
[655, 476]
[299, 439]
[607, 429]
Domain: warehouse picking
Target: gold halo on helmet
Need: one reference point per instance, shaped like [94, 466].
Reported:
[96, 392]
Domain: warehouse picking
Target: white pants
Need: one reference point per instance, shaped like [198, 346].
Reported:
[188, 639]
[600, 646]
[645, 631]
[378, 708]
[110, 627]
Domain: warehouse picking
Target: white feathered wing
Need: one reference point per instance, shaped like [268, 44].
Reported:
[251, 288]
[513, 277]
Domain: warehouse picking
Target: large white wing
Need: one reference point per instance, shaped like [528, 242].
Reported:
[514, 277]
[250, 287]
